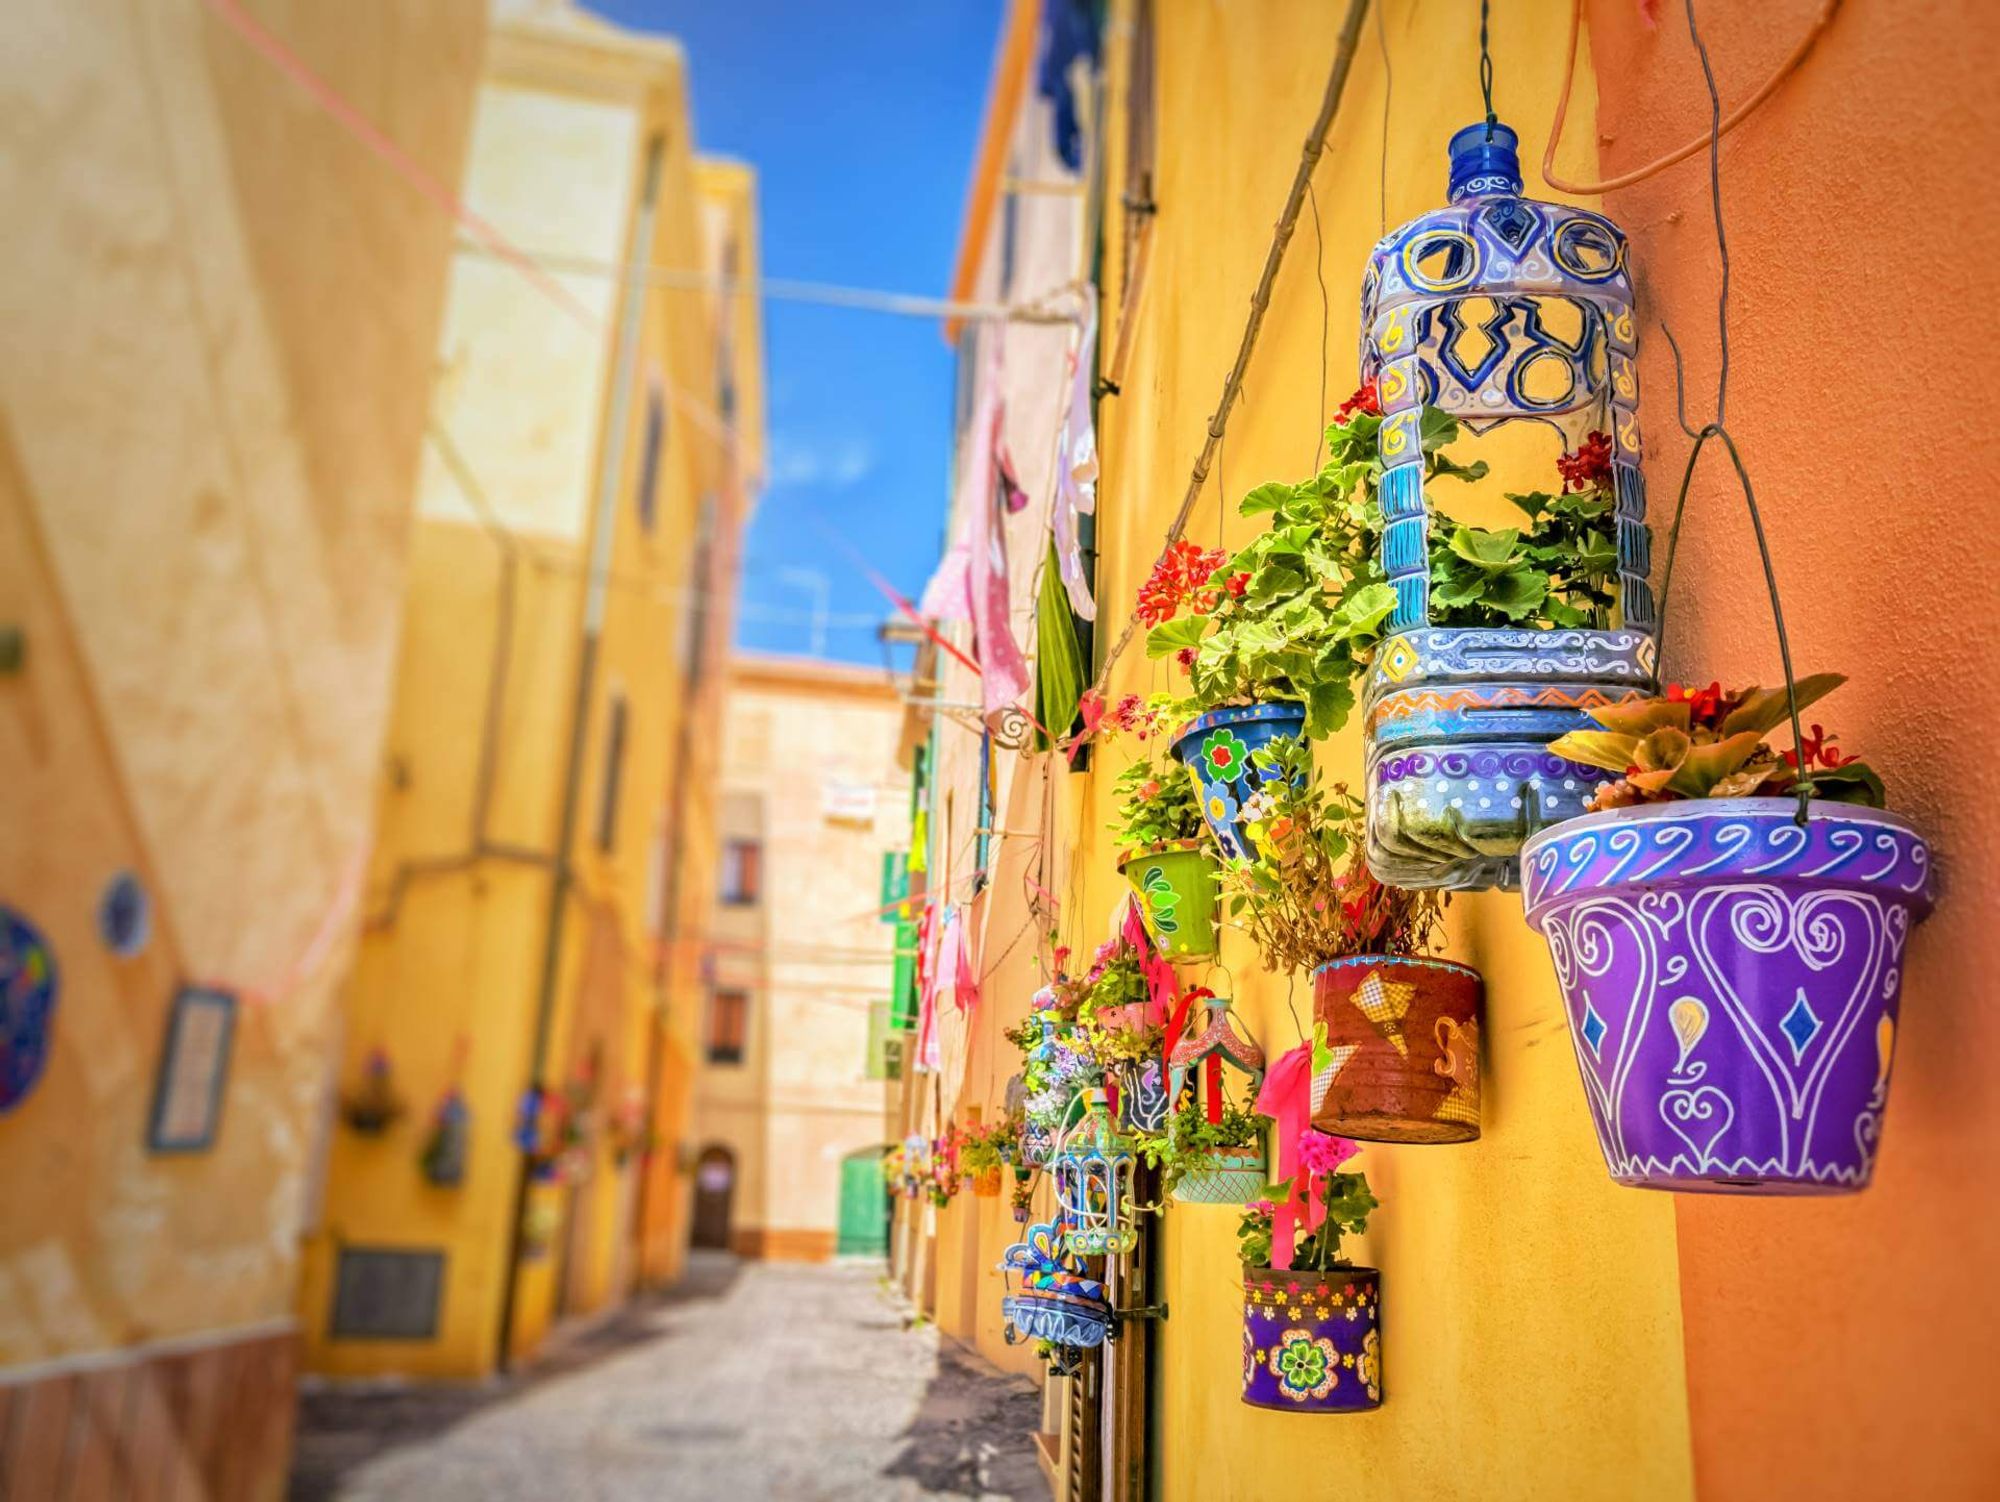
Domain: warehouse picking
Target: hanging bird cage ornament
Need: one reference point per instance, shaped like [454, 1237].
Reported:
[1052, 1299]
[1495, 309]
[1235, 1175]
[1093, 1175]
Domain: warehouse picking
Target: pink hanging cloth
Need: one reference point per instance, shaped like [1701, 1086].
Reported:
[971, 581]
[965, 980]
[1289, 1094]
[929, 948]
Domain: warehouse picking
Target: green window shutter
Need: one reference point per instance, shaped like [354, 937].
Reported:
[878, 1040]
[895, 883]
[903, 989]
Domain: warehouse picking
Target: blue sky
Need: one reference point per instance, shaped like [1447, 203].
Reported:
[861, 121]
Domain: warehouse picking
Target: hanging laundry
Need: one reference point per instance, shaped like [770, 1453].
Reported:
[1076, 466]
[930, 936]
[965, 979]
[1071, 30]
[971, 581]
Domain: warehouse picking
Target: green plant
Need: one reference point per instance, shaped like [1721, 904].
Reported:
[1191, 1138]
[1343, 1196]
[1113, 1021]
[983, 1150]
[1305, 894]
[1156, 806]
[1297, 612]
[1710, 744]
[1562, 570]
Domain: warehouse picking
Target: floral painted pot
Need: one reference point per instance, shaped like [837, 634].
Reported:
[1176, 888]
[1732, 981]
[1455, 730]
[1404, 1031]
[1232, 1176]
[1216, 749]
[1312, 1341]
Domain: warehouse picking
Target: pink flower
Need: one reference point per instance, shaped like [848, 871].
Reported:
[1320, 1152]
[1264, 1207]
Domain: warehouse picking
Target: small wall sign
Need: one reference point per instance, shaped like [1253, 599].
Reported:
[27, 1006]
[194, 1071]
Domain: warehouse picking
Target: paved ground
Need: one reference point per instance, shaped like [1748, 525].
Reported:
[754, 1380]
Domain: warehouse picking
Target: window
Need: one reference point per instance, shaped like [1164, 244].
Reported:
[742, 872]
[885, 1044]
[695, 614]
[983, 832]
[728, 1026]
[649, 454]
[614, 772]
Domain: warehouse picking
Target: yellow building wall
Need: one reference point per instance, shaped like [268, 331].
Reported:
[221, 316]
[449, 978]
[1532, 1310]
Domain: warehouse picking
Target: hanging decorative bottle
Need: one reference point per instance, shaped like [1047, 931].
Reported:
[1496, 309]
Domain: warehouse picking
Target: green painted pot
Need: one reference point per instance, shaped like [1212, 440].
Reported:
[1176, 887]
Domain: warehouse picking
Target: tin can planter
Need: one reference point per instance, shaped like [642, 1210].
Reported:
[1404, 1031]
[1732, 981]
[1142, 1096]
[1175, 884]
[986, 1183]
[1312, 1341]
[1216, 749]
[1455, 728]
[1232, 1176]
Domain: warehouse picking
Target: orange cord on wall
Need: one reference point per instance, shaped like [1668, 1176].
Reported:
[1735, 118]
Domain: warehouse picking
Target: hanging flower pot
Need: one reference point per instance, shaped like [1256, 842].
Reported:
[1404, 1034]
[1051, 1299]
[1312, 1341]
[1216, 748]
[1732, 980]
[986, 1183]
[1175, 885]
[1499, 639]
[1224, 1176]
[1142, 1095]
[374, 1105]
[1213, 1151]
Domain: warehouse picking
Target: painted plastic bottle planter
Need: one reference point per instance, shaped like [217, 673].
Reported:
[1052, 1299]
[1231, 1176]
[1093, 1171]
[1732, 982]
[1494, 308]
[1312, 1341]
[1175, 884]
[1216, 749]
[1142, 1095]
[1405, 1038]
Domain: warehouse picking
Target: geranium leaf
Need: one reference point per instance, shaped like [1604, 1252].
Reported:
[1265, 498]
[1170, 637]
[1491, 550]
[1517, 594]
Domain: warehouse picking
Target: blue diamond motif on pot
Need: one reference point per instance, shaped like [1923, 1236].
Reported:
[1594, 1027]
[1801, 1026]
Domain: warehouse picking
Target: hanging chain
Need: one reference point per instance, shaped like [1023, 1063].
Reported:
[1486, 68]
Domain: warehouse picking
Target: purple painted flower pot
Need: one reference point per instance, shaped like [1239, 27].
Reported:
[1732, 983]
[1216, 749]
[1312, 1341]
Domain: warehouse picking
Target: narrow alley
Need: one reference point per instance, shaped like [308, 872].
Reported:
[753, 1380]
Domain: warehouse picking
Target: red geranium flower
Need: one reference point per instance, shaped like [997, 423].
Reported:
[1589, 468]
[1365, 400]
[1182, 571]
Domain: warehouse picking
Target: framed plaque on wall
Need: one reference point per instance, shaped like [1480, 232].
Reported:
[194, 1071]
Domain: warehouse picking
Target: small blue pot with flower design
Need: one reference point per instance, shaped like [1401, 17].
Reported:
[1217, 748]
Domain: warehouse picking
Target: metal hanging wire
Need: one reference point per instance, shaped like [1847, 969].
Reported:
[1486, 65]
[1717, 429]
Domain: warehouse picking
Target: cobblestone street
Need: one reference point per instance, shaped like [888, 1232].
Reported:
[753, 1380]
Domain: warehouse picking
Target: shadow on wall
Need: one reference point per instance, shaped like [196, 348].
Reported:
[973, 1434]
[342, 1428]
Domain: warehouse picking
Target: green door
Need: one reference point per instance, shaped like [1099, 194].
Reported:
[864, 1205]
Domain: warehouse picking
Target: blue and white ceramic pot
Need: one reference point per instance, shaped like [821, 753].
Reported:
[1216, 748]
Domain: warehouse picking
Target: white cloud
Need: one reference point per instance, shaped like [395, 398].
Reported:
[836, 464]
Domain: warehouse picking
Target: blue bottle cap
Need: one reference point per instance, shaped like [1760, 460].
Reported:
[1482, 167]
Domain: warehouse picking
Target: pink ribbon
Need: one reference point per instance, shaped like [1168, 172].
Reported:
[1287, 1099]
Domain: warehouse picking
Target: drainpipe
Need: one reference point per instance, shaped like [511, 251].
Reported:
[596, 587]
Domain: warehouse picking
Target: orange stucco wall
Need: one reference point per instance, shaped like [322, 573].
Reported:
[1842, 1347]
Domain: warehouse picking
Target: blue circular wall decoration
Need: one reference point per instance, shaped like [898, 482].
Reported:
[27, 1006]
[125, 915]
